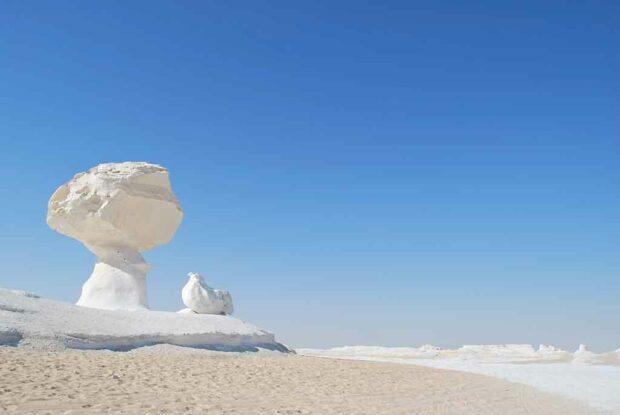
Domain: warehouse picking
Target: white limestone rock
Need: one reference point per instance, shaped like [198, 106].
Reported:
[117, 210]
[202, 299]
[29, 321]
[582, 349]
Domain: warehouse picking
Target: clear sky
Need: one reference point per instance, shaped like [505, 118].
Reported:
[382, 173]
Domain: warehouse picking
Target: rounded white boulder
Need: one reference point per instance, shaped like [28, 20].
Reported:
[202, 299]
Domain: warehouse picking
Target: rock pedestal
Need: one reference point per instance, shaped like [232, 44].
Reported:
[118, 281]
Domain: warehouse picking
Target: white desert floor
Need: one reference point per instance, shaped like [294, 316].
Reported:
[168, 379]
[251, 373]
[591, 379]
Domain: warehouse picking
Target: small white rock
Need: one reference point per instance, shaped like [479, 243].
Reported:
[202, 299]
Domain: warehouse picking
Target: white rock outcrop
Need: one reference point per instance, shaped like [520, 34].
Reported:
[29, 321]
[117, 210]
[202, 299]
[582, 349]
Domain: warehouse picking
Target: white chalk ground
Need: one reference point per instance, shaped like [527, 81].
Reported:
[584, 376]
[28, 320]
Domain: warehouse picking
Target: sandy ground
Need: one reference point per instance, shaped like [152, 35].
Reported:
[168, 380]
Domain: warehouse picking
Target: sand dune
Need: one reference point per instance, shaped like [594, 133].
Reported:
[168, 379]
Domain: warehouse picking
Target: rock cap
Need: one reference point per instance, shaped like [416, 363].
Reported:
[128, 204]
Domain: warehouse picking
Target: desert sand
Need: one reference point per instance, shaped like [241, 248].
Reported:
[171, 379]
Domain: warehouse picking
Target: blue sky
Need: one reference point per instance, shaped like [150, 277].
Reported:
[392, 173]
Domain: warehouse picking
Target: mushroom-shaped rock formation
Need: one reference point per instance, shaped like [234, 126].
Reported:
[117, 210]
[199, 298]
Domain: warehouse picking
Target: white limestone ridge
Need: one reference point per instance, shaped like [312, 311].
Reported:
[199, 298]
[117, 210]
[27, 320]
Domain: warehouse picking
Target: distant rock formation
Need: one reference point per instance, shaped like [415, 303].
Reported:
[199, 298]
[117, 210]
[582, 349]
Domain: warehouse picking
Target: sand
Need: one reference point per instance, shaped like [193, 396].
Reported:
[175, 380]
